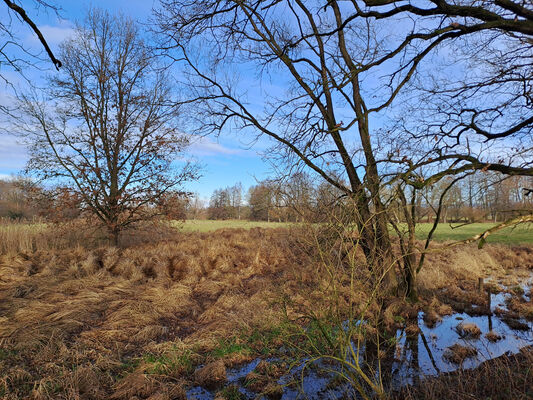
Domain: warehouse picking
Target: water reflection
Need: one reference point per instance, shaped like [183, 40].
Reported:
[414, 356]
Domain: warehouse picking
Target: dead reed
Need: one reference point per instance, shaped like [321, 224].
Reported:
[139, 317]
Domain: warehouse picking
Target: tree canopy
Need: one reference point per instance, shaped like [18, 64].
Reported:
[107, 125]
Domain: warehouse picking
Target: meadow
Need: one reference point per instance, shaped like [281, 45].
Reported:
[205, 225]
[521, 234]
[80, 319]
[32, 236]
[455, 232]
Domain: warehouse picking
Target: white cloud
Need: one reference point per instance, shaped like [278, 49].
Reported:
[13, 154]
[54, 35]
[6, 177]
[205, 147]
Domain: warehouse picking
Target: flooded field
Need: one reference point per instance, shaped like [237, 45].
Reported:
[457, 341]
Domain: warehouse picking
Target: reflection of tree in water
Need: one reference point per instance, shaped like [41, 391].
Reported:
[428, 349]
[401, 364]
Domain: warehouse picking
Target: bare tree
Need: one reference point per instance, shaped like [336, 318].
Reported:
[235, 193]
[340, 69]
[220, 204]
[107, 126]
[261, 201]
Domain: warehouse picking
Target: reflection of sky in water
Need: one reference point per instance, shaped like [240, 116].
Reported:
[426, 359]
[444, 335]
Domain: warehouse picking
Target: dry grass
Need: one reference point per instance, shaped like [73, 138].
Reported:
[132, 321]
[470, 263]
[493, 336]
[85, 322]
[449, 280]
[457, 353]
[468, 330]
[18, 237]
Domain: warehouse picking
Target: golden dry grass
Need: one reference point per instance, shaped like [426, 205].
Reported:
[18, 237]
[67, 311]
[77, 323]
[468, 263]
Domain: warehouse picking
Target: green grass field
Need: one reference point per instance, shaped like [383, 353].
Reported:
[516, 235]
[198, 225]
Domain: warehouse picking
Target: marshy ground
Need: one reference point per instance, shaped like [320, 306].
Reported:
[229, 313]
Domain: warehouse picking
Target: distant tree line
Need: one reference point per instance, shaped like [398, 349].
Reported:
[24, 200]
[14, 202]
[298, 198]
[479, 198]
[226, 203]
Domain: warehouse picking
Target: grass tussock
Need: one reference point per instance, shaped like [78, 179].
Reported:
[457, 353]
[468, 263]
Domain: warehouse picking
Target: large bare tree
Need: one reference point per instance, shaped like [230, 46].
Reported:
[107, 126]
[330, 72]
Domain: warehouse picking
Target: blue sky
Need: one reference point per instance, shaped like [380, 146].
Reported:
[225, 160]
[229, 159]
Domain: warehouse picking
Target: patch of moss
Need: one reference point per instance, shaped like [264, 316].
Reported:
[230, 346]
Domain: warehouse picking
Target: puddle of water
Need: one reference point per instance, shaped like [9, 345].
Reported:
[423, 355]
[416, 356]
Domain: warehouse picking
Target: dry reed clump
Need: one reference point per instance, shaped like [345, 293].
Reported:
[519, 305]
[465, 264]
[397, 311]
[212, 375]
[468, 330]
[520, 257]
[77, 319]
[461, 263]
[457, 353]
[27, 238]
[18, 237]
[434, 310]
[453, 277]
[493, 336]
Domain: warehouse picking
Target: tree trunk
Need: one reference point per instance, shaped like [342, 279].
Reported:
[114, 234]
[410, 280]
